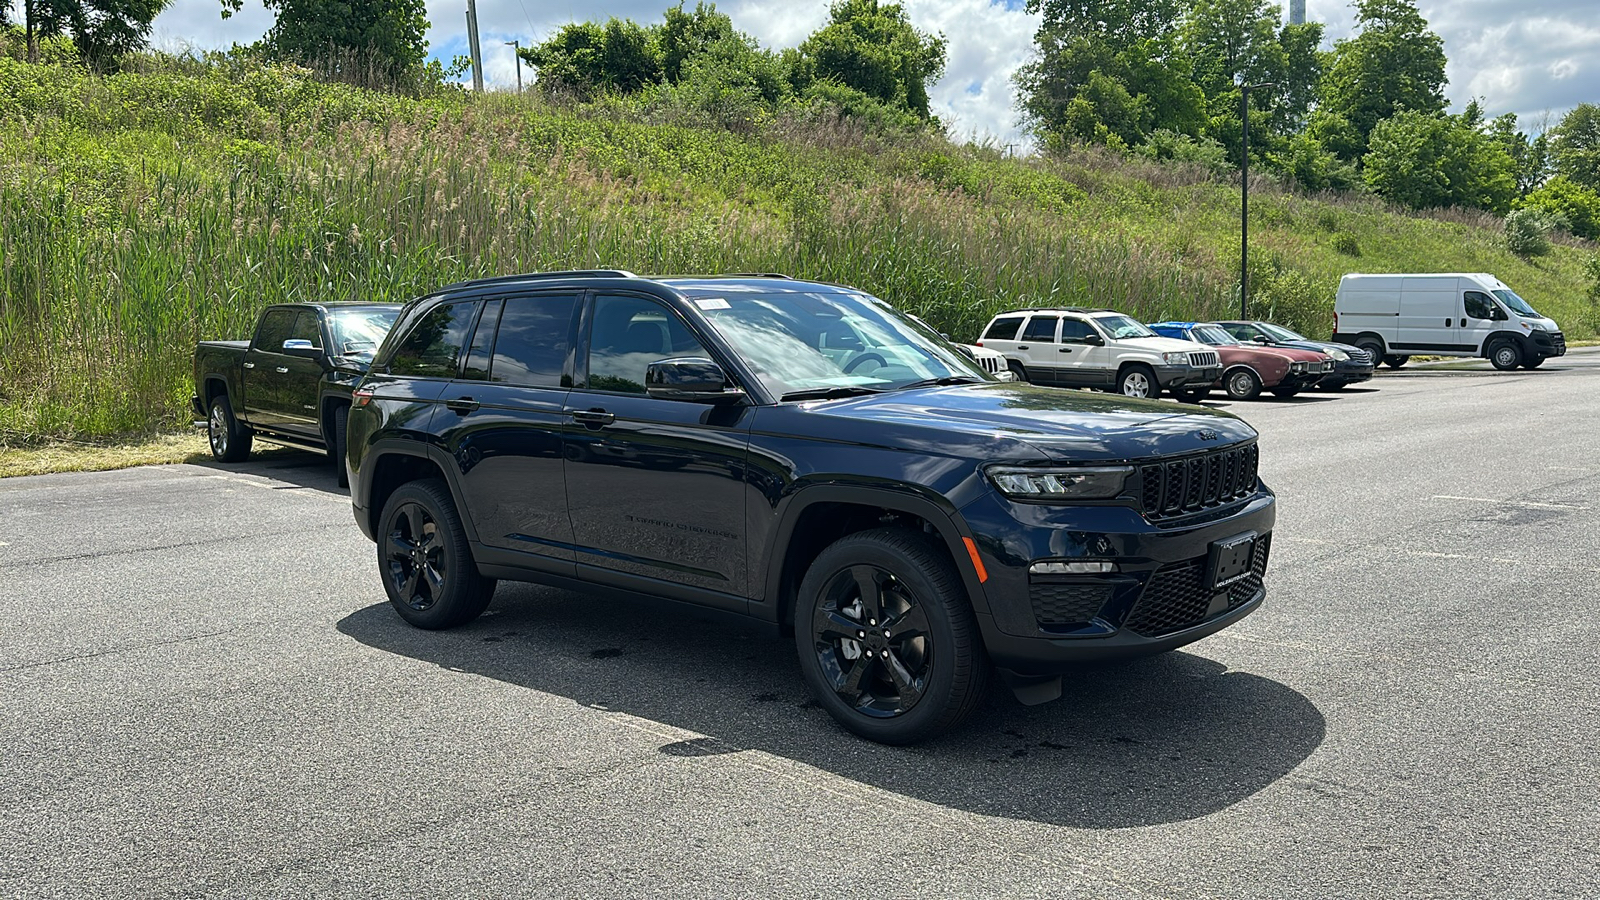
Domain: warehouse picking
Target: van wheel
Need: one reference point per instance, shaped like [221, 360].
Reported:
[230, 441]
[1505, 356]
[1395, 362]
[1018, 369]
[427, 568]
[887, 642]
[1138, 381]
[1374, 348]
[1243, 384]
[341, 418]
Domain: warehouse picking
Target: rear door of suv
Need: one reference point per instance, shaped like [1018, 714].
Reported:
[1039, 349]
[655, 487]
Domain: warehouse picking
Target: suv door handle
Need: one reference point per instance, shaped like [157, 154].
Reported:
[593, 418]
[1022, 346]
[284, 370]
[462, 405]
[249, 365]
[1065, 350]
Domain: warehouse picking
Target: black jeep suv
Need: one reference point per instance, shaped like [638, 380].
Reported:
[804, 454]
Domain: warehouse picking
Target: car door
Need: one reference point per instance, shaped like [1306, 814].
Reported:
[1477, 320]
[1038, 345]
[1084, 363]
[655, 487]
[259, 380]
[299, 379]
[501, 421]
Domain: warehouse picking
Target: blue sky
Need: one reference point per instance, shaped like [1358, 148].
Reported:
[1531, 57]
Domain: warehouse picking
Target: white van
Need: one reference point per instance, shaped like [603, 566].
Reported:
[1451, 314]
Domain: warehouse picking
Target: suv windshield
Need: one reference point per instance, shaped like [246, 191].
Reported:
[1517, 304]
[358, 332]
[1213, 335]
[1279, 332]
[806, 341]
[1122, 327]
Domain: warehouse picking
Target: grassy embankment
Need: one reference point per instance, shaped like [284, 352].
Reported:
[142, 212]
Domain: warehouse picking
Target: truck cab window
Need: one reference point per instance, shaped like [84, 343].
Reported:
[305, 329]
[277, 326]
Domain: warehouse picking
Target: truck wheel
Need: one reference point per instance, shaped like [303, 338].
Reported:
[1018, 369]
[427, 568]
[1138, 381]
[1194, 395]
[341, 417]
[1395, 362]
[1533, 362]
[1242, 384]
[1505, 356]
[230, 441]
[887, 641]
[1374, 348]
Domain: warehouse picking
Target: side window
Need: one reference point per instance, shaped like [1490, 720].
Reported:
[275, 328]
[433, 348]
[531, 346]
[629, 334]
[1242, 332]
[477, 367]
[1041, 329]
[305, 329]
[1478, 305]
[1004, 329]
[1073, 331]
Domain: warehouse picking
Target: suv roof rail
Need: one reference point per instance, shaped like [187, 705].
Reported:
[529, 276]
[756, 275]
[1077, 309]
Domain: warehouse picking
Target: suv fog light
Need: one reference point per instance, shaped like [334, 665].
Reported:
[1074, 567]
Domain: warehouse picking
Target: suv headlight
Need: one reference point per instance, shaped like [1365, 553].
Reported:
[1336, 353]
[1100, 483]
[1175, 359]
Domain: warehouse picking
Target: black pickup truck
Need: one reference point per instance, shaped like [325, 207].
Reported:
[290, 383]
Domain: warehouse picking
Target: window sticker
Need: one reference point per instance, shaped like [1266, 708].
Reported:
[710, 303]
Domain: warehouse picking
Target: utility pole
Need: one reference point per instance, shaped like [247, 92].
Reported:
[472, 46]
[1244, 194]
[516, 58]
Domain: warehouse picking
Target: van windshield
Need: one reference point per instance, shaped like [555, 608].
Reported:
[1517, 304]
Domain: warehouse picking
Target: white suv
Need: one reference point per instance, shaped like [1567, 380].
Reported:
[1100, 348]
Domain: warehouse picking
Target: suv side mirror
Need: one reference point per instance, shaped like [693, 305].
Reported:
[303, 348]
[1093, 339]
[695, 379]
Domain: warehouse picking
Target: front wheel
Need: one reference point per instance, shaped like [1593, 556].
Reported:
[427, 568]
[230, 441]
[1505, 356]
[1138, 381]
[1533, 362]
[1284, 393]
[887, 640]
[1242, 384]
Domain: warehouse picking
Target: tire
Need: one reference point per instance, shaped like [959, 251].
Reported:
[914, 596]
[1193, 396]
[1242, 384]
[1505, 355]
[1533, 362]
[432, 582]
[1395, 362]
[1138, 381]
[1284, 393]
[1374, 348]
[230, 441]
[1332, 385]
[1018, 369]
[341, 418]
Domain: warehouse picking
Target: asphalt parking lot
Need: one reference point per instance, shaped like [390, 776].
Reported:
[204, 693]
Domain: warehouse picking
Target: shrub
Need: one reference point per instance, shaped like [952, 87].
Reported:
[1577, 205]
[1345, 242]
[1528, 232]
[1169, 145]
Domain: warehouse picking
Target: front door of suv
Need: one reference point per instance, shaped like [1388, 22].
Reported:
[502, 419]
[656, 488]
[1085, 358]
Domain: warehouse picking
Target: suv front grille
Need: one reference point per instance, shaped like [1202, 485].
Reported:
[1204, 359]
[1180, 487]
[1176, 598]
[992, 364]
[1067, 604]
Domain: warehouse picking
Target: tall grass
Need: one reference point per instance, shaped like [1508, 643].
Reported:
[143, 212]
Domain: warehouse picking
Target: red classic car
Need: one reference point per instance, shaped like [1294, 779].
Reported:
[1247, 370]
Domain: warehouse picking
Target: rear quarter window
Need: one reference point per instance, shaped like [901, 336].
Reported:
[433, 347]
[1003, 329]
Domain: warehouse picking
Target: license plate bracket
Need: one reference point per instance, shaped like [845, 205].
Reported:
[1231, 559]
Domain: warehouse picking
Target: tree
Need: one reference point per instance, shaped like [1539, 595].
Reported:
[1575, 145]
[873, 48]
[1230, 40]
[388, 35]
[1530, 158]
[619, 56]
[685, 34]
[1066, 92]
[1114, 24]
[1577, 206]
[102, 30]
[1423, 161]
[1395, 63]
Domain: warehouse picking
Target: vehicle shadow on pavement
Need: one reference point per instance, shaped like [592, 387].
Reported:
[298, 468]
[1158, 740]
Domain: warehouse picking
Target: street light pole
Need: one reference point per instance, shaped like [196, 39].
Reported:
[516, 59]
[1244, 194]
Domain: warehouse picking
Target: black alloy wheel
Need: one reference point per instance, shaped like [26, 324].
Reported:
[427, 568]
[1505, 356]
[230, 441]
[887, 640]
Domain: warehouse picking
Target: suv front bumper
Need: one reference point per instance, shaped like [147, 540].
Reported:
[1180, 377]
[1159, 597]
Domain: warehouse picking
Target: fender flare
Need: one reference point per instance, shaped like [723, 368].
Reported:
[396, 446]
[1521, 340]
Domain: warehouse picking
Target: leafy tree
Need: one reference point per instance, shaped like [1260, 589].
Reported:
[1576, 205]
[1422, 161]
[1395, 63]
[1230, 40]
[388, 35]
[1078, 89]
[873, 47]
[1114, 24]
[685, 34]
[619, 55]
[1305, 160]
[1531, 159]
[102, 30]
[1575, 145]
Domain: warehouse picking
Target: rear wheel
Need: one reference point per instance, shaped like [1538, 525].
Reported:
[1505, 356]
[1242, 384]
[1395, 362]
[1017, 369]
[230, 441]
[1374, 348]
[887, 641]
[1138, 381]
[427, 569]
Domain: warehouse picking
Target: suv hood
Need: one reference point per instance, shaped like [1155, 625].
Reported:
[1055, 424]
[1165, 344]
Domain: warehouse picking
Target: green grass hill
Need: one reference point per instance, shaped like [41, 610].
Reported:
[143, 211]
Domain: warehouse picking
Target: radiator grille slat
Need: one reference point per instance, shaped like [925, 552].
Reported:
[1185, 486]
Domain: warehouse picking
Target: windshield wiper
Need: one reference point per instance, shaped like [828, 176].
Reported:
[830, 393]
[944, 379]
